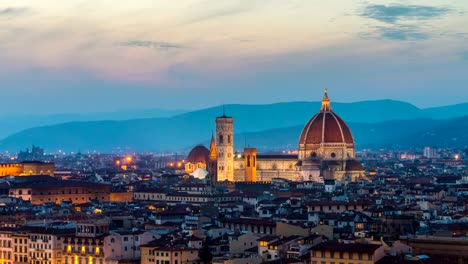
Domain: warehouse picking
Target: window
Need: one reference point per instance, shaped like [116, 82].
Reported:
[333, 155]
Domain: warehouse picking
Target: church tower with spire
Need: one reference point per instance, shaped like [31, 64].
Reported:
[225, 148]
[213, 159]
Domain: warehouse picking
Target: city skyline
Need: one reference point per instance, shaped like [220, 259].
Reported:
[83, 57]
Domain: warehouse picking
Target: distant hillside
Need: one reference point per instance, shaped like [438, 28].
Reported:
[450, 133]
[401, 133]
[12, 124]
[254, 125]
[194, 127]
[249, 118]
[446, 112]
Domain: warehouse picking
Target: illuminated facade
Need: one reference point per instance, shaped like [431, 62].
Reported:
[151, 254]
[44, 189]
[45, 247]
[197, 158]
[225, 148]
[326, 148]
[6, 248]
[86, 245]
[325, 151]
[27, 168]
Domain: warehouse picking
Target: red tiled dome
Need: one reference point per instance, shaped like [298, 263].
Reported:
[353, 165]
[325, 127]
[198, 154]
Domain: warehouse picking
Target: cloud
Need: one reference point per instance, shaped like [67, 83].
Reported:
[12, 11]
[213, 14]
[397, 32]
[394, 13]
[401, 21]
[152, 44]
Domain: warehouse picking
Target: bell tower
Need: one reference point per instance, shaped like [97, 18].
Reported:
[225, 148]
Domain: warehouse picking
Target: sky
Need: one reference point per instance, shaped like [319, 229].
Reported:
[104, 55]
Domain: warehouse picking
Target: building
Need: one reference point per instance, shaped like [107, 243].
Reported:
[197, 158]
[451, 249]
[326, 148]
[165, 252]
[225, 148]
[46, 245]
[336, 252]
[326, 151]
[45, 189]
[429, 152]
[86, 245]
[27, 168]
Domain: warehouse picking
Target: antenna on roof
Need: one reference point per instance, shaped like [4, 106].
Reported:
[224, 110]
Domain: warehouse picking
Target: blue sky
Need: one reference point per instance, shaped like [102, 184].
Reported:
[102, 55]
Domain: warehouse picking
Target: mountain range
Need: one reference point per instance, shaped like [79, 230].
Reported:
[268, 127]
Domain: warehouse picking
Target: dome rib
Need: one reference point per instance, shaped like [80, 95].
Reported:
[341, 130]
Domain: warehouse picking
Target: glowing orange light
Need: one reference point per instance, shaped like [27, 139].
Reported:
[117, 162]
[128, 159]
[171, 164]
[179, 164]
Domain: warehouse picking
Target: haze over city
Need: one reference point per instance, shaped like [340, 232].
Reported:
[98, 56]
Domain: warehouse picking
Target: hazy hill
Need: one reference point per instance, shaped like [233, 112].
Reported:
[283, 122]
[193, 127]
[449, 111]
[382, 134]
[389, 134]
[12, 124]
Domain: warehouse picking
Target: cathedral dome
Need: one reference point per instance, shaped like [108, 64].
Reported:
[198, 154]
[325, 127]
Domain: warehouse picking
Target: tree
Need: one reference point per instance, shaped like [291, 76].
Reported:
[205, 254]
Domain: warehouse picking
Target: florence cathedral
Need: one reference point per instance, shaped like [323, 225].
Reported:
[326, 152]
